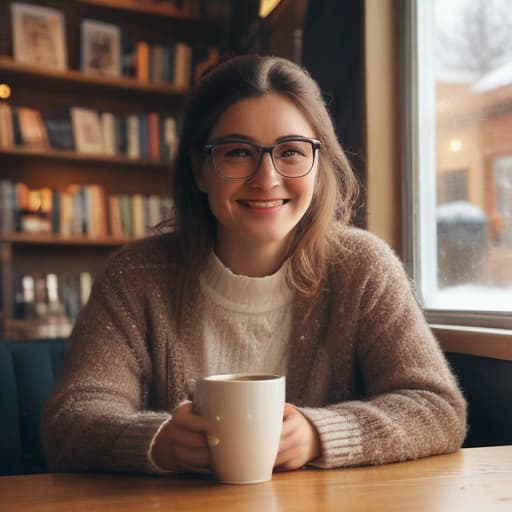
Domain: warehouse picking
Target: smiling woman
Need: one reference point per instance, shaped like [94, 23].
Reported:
[262, 274]
[242, 183]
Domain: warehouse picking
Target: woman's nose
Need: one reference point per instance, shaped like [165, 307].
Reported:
[266, 174]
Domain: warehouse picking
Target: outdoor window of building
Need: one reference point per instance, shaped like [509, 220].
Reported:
[458, 130]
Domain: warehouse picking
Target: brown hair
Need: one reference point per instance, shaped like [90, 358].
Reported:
[336, 187]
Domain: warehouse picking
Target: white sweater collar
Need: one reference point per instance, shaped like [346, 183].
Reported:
[242, 293]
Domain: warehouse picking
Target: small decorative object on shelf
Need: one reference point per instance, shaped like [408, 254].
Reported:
[101, 48]
[39, 36]
[87, 131]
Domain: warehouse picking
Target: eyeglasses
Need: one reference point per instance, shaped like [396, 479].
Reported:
[237, 159]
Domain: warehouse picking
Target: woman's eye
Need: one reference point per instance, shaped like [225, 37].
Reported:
[290, 152]
[238, 152]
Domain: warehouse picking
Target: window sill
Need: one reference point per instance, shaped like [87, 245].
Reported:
[486, 342]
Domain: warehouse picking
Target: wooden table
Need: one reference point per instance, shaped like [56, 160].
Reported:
[477, 479]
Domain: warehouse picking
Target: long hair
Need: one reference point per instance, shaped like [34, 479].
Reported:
[317, 234]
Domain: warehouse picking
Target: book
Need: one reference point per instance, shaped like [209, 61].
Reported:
[143, 136]
[56, 212]
[168, 64]
[153, 210]
[108, 127]
[125, 209]
[6, 126]
[154, 139]
[121, 135]
[87, 132]
[114, 211]
[156, 53]
[132, 137]
[138, 225]
[170, 137]
[66, 214]
[127, 56]
[7, 205]
[32, 129]
[60, 132]
[142, 61]
[182, 64]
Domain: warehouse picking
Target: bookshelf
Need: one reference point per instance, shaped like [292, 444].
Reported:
[46, 265]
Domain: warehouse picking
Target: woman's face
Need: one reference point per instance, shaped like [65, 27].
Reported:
[265, 209]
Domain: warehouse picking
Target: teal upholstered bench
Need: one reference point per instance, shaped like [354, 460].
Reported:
[28, 371]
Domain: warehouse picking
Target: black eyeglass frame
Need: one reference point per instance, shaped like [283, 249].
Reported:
[209, 148]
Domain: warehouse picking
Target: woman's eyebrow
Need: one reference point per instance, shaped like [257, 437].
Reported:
[233, 136]
[243, 137]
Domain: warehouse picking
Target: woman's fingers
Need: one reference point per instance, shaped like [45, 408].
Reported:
[182, 442]
[188, 458]
[299, 443]
[184, 417]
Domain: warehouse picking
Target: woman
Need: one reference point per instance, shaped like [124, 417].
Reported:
[262, 274]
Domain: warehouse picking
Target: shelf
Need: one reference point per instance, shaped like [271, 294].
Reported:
[12, 69]
[73, 156]
[54, 239]
[161, 9]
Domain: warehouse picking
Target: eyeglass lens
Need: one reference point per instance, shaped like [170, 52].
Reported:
[240, 160]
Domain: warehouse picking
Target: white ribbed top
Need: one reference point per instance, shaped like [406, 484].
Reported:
[246, 321]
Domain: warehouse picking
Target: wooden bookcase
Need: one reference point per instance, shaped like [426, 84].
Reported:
[158, 22]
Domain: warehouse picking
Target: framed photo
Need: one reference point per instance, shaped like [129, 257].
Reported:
[101, 48]
[87, 131]
[39, 36]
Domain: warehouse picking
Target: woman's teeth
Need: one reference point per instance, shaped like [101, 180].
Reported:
[264, 204]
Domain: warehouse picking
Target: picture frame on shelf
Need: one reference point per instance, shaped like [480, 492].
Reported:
[39, 36]
[87, 131]
[101, 48]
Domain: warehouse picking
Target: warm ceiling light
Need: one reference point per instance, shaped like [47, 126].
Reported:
[266, 7]
[5, 91]
[455, 145]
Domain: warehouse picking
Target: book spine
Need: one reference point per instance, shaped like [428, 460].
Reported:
[132, 137]
[154, 139]
[142, 61]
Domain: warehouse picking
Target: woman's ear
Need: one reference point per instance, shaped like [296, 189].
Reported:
[197, 169]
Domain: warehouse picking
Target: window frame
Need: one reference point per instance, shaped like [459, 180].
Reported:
[411, 80]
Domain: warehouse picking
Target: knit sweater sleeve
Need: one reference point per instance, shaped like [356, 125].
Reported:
[98, 416]
[412, 406]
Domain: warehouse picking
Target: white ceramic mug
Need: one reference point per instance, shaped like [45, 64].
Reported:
[245, 412]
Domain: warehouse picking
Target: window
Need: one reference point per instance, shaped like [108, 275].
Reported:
[457, 76]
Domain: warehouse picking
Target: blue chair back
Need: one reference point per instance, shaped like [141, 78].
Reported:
[28, 372]
[487, 385]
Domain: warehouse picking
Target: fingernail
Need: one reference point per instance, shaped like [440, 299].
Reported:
[213, 441]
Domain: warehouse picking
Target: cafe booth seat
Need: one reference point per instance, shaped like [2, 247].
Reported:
[487, 385]
[28, 371]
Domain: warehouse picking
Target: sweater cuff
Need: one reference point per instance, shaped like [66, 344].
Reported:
[156, 468]
[131, 449]
[340, 437]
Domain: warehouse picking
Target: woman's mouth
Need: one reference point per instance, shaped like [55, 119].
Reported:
[263, 204]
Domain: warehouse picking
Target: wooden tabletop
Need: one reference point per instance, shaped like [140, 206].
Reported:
[477, 479]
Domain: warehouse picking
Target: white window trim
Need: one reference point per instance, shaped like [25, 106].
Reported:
[411, 159]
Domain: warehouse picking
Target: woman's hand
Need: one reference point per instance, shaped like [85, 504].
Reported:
[300, 442]
[182, 445]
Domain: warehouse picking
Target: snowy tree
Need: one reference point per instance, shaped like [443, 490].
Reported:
[479, 38]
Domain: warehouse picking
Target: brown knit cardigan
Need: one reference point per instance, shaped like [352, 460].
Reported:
[365, 367]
